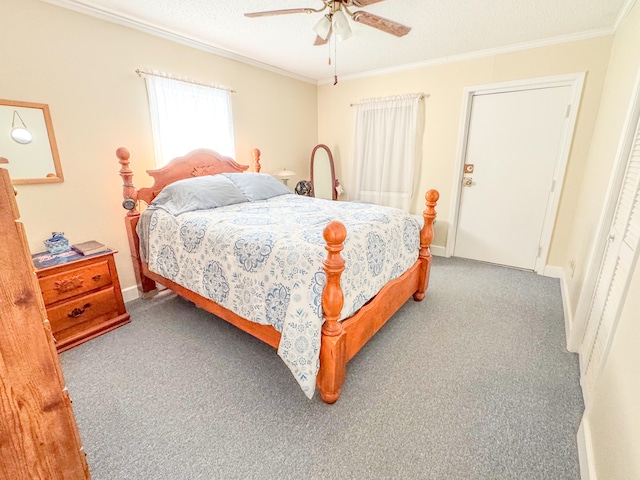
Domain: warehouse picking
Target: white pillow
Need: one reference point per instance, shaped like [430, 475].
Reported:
[198, 193]
[257, 186]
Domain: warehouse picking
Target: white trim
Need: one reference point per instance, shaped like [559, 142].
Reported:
[114, 17]
[568, 315]
[574, 80]
[585, 451]
[553, 271]
[572, 37]
[624, 11]
[606, 217]
[130, 293]
[437, 251]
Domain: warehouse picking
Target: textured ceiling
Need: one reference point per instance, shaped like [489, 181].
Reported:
[440, 29]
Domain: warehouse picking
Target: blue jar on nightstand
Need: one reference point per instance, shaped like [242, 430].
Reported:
[57, 243]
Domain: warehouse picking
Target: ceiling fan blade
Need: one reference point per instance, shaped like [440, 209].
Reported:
[280, 12]
[364, 3]
[320, 40]
[380, 23]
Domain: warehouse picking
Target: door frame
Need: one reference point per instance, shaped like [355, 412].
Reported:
[574, 80]
[585, 299]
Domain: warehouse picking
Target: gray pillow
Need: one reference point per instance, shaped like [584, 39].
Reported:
[198, 193]
[257, 186]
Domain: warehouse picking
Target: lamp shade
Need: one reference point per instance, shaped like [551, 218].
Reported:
[285, 173]
[323, 27]
[341, 25]
[20, 134]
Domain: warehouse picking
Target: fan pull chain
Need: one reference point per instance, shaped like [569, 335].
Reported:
[335, 61]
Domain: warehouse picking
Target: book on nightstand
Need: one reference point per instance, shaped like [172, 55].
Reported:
[89, 248]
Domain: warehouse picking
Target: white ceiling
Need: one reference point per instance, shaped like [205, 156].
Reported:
[440, 29]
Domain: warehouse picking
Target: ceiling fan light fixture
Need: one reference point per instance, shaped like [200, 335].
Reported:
[323, 27]
[341, 25]
[20, 134]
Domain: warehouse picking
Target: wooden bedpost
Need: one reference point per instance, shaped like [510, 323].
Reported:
[146, 286]
[333, 358]
[426, 236]
[256, 160]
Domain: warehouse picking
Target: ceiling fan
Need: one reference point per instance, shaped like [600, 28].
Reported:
[336, 19]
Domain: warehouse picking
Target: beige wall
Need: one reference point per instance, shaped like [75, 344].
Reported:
[444, 85]
[84, 69]
[616, 95]
[613, 412]
[613, 415]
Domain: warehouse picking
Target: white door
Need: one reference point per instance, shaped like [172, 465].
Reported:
[514, 144]
[613, 276]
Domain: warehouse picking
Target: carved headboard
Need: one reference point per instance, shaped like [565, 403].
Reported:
[194, 164]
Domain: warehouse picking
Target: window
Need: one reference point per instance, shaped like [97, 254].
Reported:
[386, 149]
[186, 116]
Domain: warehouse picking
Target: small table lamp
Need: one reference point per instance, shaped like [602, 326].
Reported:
[285, 175]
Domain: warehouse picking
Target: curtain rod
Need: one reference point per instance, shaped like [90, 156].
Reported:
[420, 96]
[180, 79]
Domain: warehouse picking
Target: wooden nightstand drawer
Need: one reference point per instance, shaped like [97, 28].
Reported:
[77, 281]
[83, 309]
[81, 294]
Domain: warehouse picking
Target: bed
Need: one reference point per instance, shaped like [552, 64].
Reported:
[273, 263]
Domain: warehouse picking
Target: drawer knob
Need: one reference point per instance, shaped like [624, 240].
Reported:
[96, 278]
[77, 312]
[68, 284]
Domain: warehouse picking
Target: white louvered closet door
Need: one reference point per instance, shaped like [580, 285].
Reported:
[613, 277]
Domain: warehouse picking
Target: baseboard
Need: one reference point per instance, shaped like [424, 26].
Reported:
[585, 451]
[438, 251]
[130, 293]
[553, 271]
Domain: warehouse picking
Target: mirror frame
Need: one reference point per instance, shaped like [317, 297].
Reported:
[58, 177]
[334, 192]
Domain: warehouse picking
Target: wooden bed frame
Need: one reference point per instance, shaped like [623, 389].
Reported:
[340, 340]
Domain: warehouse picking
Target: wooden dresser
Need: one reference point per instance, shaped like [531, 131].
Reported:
[38, 435]
[82, 296]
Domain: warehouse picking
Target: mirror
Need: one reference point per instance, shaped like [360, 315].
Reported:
[323, 175]
[27, 143]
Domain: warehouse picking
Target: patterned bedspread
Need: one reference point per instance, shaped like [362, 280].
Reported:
[263, 261]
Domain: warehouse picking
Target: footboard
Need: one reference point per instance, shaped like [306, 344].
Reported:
[342, 340]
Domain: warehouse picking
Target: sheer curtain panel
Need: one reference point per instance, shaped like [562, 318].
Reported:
[186, 116]
[386, 149]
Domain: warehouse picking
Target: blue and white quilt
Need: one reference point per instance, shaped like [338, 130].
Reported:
[263, 261]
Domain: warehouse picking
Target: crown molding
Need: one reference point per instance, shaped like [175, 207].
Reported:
[479, 54]
[113, 17]
[624, 11]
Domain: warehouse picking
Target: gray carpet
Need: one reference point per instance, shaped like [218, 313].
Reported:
[472, 383]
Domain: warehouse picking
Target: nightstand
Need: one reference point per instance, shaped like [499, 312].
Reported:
[81, 294]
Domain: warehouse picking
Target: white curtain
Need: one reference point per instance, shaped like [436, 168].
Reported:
[386, 148]
[185, 116]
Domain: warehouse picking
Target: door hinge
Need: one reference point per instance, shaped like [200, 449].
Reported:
[553, 186]
[539, 251]
[566, 115]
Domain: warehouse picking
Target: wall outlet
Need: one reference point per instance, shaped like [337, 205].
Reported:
[572, 266]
